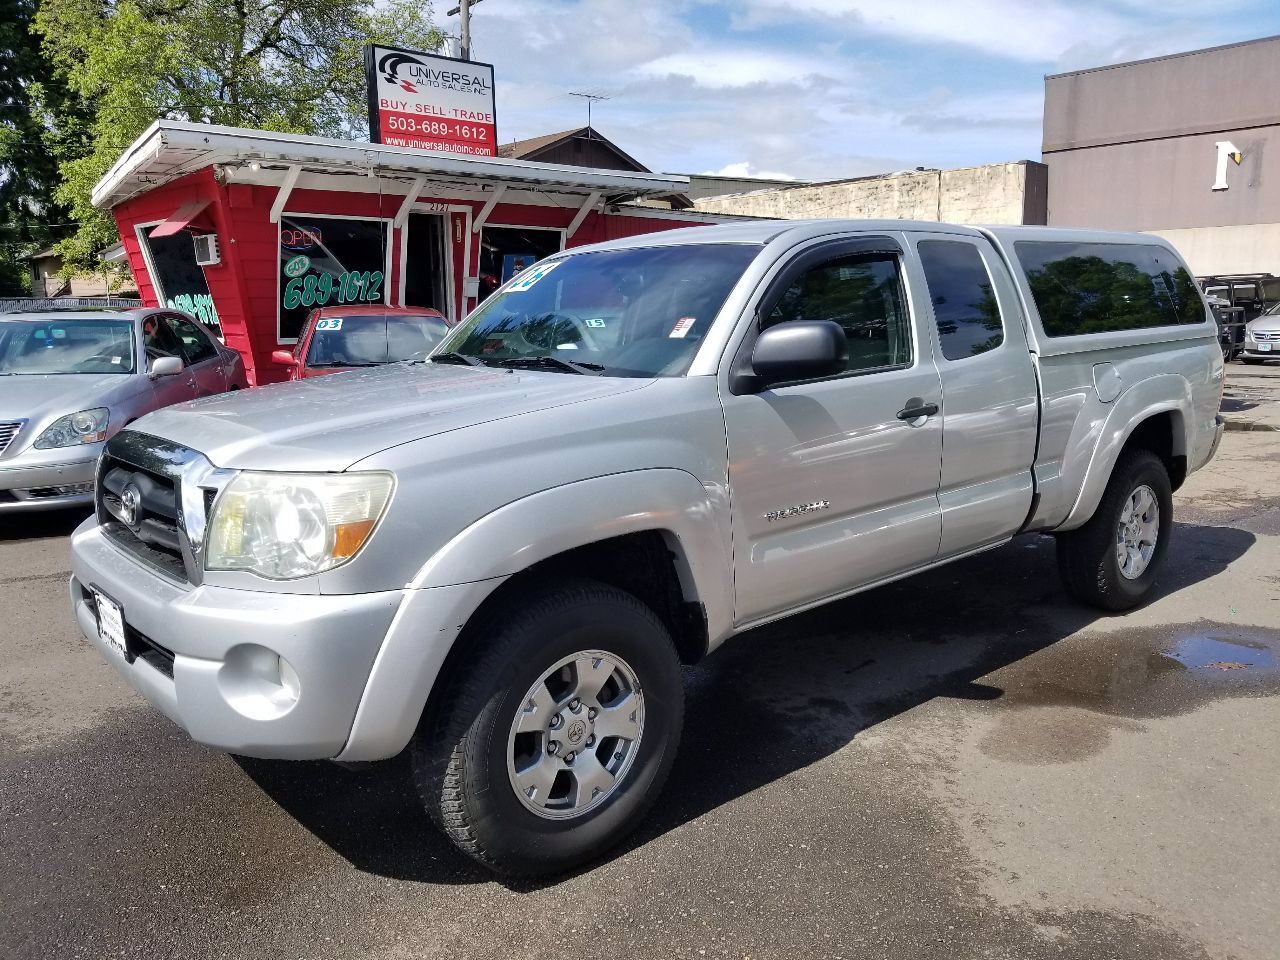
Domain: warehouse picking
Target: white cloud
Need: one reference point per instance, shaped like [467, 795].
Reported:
[1037, 31]
[943, 112]
[745, 168]
[733, 67]
[849, 87]
[1066, 33]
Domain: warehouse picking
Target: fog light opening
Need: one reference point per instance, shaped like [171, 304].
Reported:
[259, 683]
[289, 680]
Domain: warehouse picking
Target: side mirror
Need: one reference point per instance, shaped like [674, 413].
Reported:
[799, 350]
[284, 358]
[165, 367]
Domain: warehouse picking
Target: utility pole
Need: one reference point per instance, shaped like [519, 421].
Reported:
[463, 12]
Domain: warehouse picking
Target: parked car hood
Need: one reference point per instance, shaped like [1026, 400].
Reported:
[1270, 322]
[329, 423]
[42, 397]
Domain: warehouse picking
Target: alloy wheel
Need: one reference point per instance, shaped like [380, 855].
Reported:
[573, 740]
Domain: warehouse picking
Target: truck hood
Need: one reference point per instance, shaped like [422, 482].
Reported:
[329, 423]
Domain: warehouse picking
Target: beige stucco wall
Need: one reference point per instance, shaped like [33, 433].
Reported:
[1247, 248]
[995, 193]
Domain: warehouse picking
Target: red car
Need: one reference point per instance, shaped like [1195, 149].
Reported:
[342, 338]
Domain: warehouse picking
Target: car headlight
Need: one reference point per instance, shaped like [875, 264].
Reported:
[288, 525]
[87, 426]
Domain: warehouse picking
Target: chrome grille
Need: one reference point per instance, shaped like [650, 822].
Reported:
[1268, 336]
[152, 500]
[8, 430]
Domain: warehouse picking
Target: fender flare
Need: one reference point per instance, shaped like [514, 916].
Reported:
[1165, 393]
[462, 574]
[691, 516]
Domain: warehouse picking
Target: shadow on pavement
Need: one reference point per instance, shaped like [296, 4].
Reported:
[777, 699]
[39, 524]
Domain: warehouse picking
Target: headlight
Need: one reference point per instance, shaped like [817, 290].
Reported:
[87, 426]
[288, 525]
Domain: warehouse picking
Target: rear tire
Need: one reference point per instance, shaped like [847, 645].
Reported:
[526, 709]
[1138, 498]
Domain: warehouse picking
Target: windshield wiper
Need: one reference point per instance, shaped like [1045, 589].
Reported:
[449, 357]
[558, 363]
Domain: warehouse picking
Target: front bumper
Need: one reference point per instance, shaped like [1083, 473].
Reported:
[208, 656]
[224, 684]
[49, 479]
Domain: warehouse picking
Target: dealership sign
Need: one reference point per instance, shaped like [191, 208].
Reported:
[430, 102]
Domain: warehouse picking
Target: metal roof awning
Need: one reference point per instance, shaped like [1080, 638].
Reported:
[170, 149]
[180, 219]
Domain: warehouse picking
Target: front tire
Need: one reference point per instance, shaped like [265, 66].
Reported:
[554, 741]
[1113, 561]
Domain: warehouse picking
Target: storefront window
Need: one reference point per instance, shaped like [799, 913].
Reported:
[327, 261]
[505, 251]
[180, 282]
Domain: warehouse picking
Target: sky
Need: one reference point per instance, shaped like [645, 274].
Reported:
[819, 89]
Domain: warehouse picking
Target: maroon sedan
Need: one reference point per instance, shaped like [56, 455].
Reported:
[341, 338]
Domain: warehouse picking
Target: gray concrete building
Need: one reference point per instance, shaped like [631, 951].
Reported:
[995, 193]
[1186, 146]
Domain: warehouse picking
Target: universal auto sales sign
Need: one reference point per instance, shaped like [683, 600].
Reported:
[430, 102]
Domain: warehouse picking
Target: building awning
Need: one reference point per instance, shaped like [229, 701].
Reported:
[171, 149]
[113, 253]
[181, 218]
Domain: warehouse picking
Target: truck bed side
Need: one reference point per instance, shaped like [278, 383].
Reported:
[1159, 386]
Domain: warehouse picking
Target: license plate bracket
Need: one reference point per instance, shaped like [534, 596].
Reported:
[111, 624]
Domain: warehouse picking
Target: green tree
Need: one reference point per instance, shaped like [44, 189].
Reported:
[293, 66]
[30, 144]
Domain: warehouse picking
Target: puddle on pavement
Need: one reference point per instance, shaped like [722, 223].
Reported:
[1063, 703]
[1200, 652]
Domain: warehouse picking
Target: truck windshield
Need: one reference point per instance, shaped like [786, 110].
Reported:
[66, 346]
[625, 313]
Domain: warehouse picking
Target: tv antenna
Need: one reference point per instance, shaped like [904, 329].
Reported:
[590, 98]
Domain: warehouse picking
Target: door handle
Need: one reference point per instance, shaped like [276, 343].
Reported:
[917, 408]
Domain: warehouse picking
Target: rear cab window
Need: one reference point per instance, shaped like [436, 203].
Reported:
[1083, 288]
[964, 303]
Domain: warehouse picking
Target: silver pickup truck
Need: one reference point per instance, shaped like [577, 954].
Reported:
[499, 556]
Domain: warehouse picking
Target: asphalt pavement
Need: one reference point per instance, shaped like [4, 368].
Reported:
[964, 764]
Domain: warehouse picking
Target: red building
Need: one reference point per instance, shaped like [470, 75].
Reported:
[248, 230]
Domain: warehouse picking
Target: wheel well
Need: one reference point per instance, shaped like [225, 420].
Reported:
[640, 563]
[1156, 434]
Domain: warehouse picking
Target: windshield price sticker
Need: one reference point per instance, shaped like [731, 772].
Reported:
[329, 323]
[531, 276]
[682, 327]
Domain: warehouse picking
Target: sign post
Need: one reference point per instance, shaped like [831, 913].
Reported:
[430, 102]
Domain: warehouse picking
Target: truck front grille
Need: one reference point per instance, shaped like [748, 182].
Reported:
[1268, 336]
[139, 501]
[8, 430]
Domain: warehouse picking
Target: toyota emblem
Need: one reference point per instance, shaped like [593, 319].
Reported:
[130, 505]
